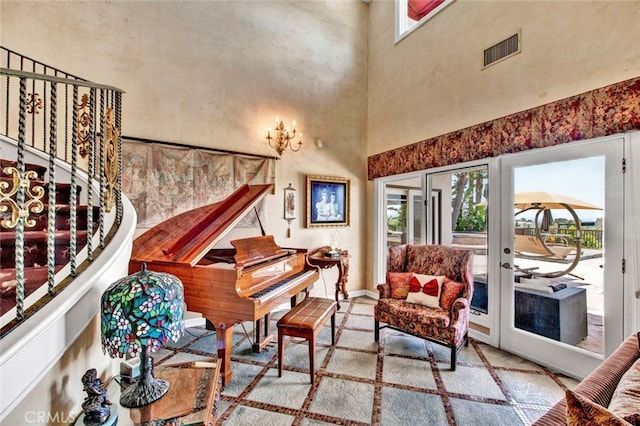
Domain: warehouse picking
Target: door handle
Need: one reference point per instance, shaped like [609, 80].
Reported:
[506, 265]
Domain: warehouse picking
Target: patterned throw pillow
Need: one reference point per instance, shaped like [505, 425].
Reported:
[625, 401]
[450, 292]
[583, 412]
[425, 290]
[399, 282]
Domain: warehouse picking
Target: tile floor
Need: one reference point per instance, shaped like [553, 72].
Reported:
[402, 381]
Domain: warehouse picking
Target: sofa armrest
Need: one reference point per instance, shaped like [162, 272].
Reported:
[385, 290]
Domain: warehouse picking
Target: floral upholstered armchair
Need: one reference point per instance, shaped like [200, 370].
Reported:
[427, 294]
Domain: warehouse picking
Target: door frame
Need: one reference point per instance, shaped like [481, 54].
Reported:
[484, 322]
[537, 348]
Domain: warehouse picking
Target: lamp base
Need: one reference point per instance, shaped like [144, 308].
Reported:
[147, 389]
[143, 392]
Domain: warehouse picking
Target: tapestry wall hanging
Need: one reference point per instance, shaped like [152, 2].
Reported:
[163, 180]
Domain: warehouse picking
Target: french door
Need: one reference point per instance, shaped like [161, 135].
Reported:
[561, 254]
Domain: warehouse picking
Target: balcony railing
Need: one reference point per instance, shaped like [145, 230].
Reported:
[72, 127]
[591, 238]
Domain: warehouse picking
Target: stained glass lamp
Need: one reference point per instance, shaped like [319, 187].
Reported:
[139, 313]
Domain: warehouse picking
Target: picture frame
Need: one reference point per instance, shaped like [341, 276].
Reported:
[328, 201]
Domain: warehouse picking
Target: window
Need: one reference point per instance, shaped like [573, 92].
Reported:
[410, 14]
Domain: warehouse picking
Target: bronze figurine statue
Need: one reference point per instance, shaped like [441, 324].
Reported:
[96, 405]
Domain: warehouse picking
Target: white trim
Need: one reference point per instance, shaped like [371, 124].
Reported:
[632, 232]
[404, 27]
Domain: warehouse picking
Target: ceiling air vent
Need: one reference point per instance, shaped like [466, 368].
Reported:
[502, 50]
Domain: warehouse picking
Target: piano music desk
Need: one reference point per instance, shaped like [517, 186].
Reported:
[318, 258]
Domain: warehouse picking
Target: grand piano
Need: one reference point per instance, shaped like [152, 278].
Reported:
[226, 285]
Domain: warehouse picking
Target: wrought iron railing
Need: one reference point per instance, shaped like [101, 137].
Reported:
[73, 126]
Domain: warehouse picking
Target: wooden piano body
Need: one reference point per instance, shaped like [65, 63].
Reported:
[227, 286]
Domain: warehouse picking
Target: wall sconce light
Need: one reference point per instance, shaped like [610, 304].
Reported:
[283, 137]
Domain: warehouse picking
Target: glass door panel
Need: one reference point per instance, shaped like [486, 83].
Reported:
[458, 217]
[559, 205]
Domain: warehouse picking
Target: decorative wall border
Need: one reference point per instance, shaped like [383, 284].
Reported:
[601, 112]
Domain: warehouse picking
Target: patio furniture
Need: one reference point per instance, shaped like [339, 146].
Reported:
[533, 246]
[560, 316]
[445, 323]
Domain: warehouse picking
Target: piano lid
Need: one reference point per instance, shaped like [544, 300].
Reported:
[187, 237]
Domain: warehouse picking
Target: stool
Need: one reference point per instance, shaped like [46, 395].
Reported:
[305, 320]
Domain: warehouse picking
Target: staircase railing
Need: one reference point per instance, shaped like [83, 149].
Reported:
[73, 126]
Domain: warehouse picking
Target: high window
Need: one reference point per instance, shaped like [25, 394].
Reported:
[410, 14]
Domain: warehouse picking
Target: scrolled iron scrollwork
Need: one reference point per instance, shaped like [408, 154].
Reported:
[33, 198]
[111, 135]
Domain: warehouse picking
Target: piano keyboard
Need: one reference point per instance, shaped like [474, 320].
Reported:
[291, 280]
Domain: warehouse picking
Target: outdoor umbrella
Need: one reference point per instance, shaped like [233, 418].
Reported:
[547, 200]
[547, 220]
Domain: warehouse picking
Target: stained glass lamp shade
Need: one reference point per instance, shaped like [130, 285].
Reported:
[139, 313]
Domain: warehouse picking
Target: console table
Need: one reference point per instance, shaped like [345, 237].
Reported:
[318, 258]
[192, 399]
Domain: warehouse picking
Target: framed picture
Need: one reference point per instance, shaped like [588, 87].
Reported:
[328, 201]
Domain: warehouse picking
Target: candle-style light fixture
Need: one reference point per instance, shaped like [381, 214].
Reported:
[283, 137]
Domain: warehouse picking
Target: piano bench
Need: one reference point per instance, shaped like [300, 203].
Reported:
[305, 320]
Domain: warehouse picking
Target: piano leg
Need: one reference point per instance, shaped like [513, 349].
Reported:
[262, 339]
[224, 337]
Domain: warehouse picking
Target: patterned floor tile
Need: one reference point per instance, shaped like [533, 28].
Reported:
[243, 416]
[473, 413]
[531, 388]
[292, 389]
[344, 399]
[360, 322]
[353, 363]
[472, 381]
[409, 372]
[398, 343]
[355, 339]
[362, 308]
[243, 375]
[405, 407]
[296, 355]
[500, 358]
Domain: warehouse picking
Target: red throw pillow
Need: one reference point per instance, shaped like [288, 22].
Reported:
[431, 288]
[399, 282]
[450, 292]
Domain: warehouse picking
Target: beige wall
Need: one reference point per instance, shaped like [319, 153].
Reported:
[216, 74]
[56, 400]
[432, 82]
